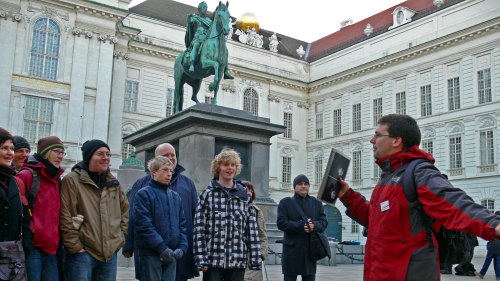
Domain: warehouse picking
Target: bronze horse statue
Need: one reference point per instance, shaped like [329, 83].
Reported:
[212, 60]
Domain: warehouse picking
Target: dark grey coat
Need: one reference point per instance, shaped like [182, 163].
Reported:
[295, 258]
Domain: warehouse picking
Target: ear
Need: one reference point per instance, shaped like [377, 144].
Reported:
[398, 143]
[153, 173]
[227, 4]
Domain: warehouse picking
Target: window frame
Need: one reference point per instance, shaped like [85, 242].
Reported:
[41, 53]
[356, 117]
[426, 100]
[251, 101]
[128, 96]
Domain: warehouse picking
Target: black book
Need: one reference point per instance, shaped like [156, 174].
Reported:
[337, 167]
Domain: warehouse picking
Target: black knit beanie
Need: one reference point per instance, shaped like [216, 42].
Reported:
[91, 146]
[21, 143]
[300, 178]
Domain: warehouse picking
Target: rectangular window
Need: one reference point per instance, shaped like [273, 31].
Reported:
[318, 170]
[455, 152]
[356, 165]
[425, 100]
[401, 103]
[489, 204]
[428, 146]
[484, 85]
[319, 125]
[354, 226]
[287, 122]
[356, 117]
[337, 122]
[209, 100]
[453, 93]
[287, 170]
[131, 96]
[127, 150]
[38, 121]
[170, 102]
[486, 147]
[377, 111]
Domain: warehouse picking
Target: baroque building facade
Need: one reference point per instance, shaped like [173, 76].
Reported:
[97, 69]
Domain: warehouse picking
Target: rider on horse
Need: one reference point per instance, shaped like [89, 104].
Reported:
[196, 34]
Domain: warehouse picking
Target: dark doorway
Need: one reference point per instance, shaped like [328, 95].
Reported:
[334, 218]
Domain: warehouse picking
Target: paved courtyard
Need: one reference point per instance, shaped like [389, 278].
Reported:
[344, 272]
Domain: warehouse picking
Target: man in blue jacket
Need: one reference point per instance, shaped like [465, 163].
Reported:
[185, 188]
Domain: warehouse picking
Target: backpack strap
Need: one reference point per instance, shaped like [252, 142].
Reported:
[410, 191]
[34, 188]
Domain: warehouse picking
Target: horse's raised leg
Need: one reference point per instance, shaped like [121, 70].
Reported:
[216, 89]
[196, 88]
[217, 77]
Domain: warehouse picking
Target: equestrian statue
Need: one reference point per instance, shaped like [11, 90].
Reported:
[206, 53]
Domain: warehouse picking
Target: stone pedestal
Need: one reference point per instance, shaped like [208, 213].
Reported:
[201, 131]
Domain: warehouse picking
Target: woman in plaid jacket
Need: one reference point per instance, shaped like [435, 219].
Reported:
[225, 236]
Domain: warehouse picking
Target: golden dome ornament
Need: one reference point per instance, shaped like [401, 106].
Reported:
[247, 21]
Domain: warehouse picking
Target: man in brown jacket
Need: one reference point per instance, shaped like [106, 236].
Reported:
[94, 216]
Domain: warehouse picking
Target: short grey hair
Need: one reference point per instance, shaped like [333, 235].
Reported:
[155, 163]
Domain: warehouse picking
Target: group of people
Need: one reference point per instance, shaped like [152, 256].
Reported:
[70, 228]
[173, 233]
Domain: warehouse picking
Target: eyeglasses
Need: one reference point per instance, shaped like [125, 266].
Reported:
[165, 170]
[376, 136]
[59, 152]
[102, 154]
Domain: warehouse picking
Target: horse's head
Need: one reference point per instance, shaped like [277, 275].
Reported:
[221, 15]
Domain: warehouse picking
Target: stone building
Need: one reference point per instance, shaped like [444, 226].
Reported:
[97, 69]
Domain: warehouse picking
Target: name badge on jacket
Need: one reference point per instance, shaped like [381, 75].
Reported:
[384, 206]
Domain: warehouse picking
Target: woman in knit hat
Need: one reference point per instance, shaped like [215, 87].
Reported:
[42, 171]
[22, 150]
[92, 191]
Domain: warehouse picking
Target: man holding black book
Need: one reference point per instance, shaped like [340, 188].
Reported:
[398, 246]
[298, 217]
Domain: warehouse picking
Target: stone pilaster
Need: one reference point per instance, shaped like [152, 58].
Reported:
[104, 78]
[77, 90]
[8, 28]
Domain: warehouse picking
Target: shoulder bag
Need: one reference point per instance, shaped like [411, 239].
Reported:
[318, 242]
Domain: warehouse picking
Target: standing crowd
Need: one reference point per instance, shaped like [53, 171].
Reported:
[72, 228]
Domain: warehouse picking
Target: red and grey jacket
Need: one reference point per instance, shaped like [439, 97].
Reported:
[397, 247]
[45, 215]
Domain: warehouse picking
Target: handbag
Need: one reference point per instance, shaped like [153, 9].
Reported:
[12, 266]
[12, 259]
[318, 242]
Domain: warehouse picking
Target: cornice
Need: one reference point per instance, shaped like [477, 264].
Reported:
[153, 50]
[410, 53]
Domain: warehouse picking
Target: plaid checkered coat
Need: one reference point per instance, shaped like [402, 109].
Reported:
[225, 229]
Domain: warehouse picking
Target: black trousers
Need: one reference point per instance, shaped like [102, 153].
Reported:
[219, 274]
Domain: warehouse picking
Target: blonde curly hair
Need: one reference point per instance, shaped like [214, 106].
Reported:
[227, 155]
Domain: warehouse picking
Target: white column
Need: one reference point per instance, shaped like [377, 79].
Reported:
[102, 103]
[117, 101]
[77, 90]
[8, 28]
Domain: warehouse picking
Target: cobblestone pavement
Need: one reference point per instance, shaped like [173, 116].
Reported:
[344, 272]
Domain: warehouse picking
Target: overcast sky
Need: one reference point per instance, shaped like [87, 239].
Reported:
[307, 20]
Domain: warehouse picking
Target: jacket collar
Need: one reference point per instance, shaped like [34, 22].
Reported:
[85, 178]
[396, 160]
[33, 163]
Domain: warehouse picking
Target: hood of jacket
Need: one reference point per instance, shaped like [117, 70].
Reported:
[81, 169]
[392, 162]
[34, 164]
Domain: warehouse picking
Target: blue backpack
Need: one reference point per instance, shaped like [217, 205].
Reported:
[455, 247]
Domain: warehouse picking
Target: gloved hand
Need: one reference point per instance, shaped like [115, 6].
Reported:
[178, 254]
[167, 256]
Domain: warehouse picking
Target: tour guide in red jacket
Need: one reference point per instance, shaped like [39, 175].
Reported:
[397, 246]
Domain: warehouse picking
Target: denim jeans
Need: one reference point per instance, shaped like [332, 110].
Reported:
[304, 277]
[496, 264]
[41, 266]
[152, 268]
[84, 267]
[219, 274]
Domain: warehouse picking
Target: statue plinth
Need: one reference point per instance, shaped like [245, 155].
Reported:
[200, 132]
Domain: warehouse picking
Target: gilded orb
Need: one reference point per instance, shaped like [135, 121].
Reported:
[247, 20]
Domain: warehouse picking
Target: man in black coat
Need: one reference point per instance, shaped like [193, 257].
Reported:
[296, 257]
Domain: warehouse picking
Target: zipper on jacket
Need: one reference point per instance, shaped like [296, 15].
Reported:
[402, 225]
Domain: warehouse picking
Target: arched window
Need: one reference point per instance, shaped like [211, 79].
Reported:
[45, 49]
[251, 101]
